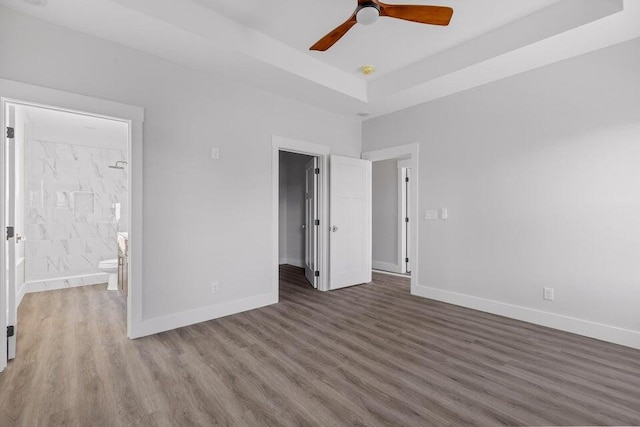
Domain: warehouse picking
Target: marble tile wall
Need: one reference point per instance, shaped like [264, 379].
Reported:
[71, 200]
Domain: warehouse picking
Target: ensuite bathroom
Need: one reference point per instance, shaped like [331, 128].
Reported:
[69, 199]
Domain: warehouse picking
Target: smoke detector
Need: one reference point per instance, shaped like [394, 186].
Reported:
[367, 70]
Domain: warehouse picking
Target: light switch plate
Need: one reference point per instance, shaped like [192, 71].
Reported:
[430, 215]
[444, 213]
[215, 153]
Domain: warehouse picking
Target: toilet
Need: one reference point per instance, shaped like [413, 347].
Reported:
[110, 266]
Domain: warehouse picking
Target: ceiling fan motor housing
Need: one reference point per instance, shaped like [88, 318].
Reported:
[367, 13]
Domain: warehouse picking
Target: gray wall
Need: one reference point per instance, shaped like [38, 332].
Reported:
[222, 207]
[541, 175]
[282, 209]
[385, 215]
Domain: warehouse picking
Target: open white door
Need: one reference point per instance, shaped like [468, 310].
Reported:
[311, 222]
[350, 212]
[10, 215]
[407, 230]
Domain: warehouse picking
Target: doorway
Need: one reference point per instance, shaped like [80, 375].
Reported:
[344, 229]
[299, 219]
[395, 210]
[66, 187]
[391, 216]
[290, 148]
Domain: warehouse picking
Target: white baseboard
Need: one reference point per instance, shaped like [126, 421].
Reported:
[178, 320]
[389, 273]
[20, 294]
[586, 328]
[294, 262]
[33, 286]
[385, 266]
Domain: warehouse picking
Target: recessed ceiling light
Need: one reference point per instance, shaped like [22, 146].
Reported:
[36, 2]
[364, 114]
[368, 70]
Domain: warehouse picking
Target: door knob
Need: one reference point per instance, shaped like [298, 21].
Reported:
[334, 228]
[19, 237]
[304, 226]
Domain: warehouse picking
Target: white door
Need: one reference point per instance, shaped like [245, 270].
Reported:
[407, 230]
[311, 222]
[10, 233]
[404, 215]
[350, 213]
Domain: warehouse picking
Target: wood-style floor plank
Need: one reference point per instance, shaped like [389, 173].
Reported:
[365, 355]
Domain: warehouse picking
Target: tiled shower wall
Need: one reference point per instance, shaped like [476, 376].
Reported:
[72, 198]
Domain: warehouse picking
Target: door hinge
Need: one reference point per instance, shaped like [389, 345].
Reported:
[406, 219]
[11, 232]
[406, 179]
[10, 331]
[406, 260]
[317, 274]
[10, 132]
[317, 222]
[317, 171]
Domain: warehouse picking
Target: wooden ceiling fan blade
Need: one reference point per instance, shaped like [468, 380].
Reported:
[434, 15]
[330, 39]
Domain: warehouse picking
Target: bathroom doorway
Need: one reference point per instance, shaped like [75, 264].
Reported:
[67, 193]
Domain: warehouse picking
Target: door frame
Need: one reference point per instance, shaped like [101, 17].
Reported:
[403, 166]
[280, 143]
[412, 151]
[18, 93]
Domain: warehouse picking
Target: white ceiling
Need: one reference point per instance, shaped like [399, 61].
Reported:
[265, 44]
[389, 44]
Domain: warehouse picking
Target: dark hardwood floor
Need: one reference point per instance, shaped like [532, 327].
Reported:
[366, 355]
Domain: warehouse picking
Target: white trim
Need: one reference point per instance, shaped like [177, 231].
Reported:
[203, 314]
[20, 294]
[389, 273]
[386, 266]
[43, 285]
[411, 150]
[280, 143]
[293, 261]
[586, 328]
[26, 94]
[3, 255]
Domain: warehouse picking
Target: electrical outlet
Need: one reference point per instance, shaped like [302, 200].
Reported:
[215, 287]
[548, 294]
[430, 215]
[215, 153]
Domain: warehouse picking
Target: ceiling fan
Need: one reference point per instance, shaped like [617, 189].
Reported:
[368, 11]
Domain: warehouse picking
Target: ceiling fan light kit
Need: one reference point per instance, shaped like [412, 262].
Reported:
[367, 15]
[368, 11]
